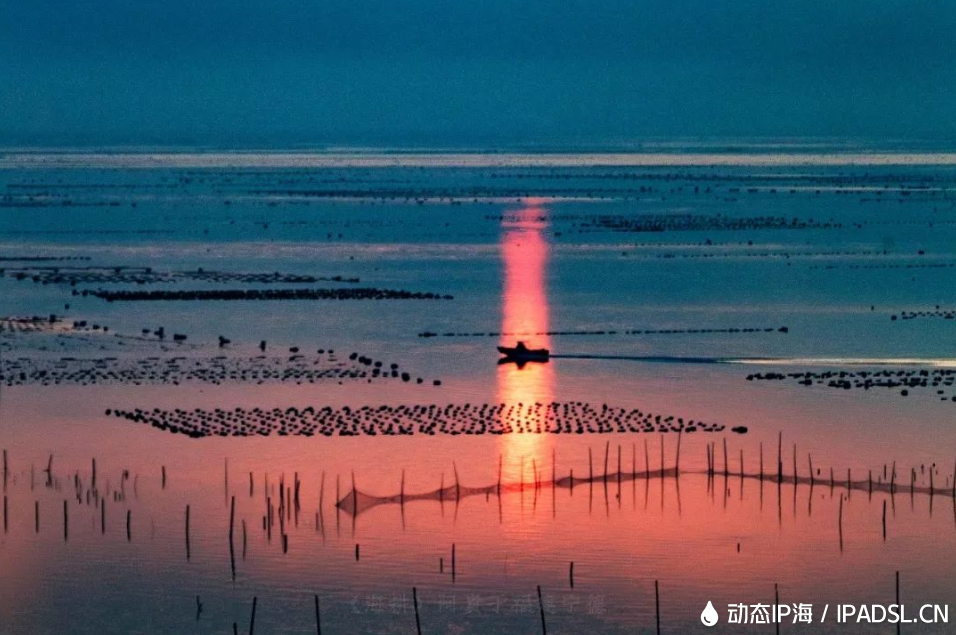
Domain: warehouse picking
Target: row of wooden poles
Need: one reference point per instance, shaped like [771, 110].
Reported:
[289, 497]
[885, 482]
[418, 619]
[543, 616]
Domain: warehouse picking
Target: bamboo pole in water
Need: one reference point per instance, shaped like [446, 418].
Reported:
[662, 456]
[418, 621]
[680, 432]
[726, 466]
[840, 522]
[795, 473]
[607, 449]
[897, 600]
[657, 606]
[544, 625]
[884, 520]
[776, 603]
[252, 619]
[499, 477]
[780, 458]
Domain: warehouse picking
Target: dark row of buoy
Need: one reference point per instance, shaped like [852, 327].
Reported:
[639, 223]
[886, 266]
[943, 314]
[368, 293]
[147, 275]
[221, 370]
[904, 380]
[425, 419]
[42, 258]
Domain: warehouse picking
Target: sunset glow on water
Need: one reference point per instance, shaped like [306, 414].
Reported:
[792, 356]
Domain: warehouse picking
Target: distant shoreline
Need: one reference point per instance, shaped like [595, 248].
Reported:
[378, 159]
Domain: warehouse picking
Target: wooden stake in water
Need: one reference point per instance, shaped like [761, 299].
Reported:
[607, 450]
[897, 600]
[884, 520]
[680, 432]
[726, 466]
[795, 474]
[458, 484]
[418, 622]
[187, 541]
[252, 620]
[232, 549]
[499, 478]
[657, 606]
[544, 625]
[571, 574]
[318, 622]
[662, 456]
[66, 522]
[776, 604]
[840, 522]
[780, 458]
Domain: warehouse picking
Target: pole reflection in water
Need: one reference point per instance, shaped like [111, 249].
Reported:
[524, 252]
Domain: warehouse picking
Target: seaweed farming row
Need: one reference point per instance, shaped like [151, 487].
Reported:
[219, 370]
[904, 380]
[369, 293]
[641, 223]
[148, 275]
[424, 419]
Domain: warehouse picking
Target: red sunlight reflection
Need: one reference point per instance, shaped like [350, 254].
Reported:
[524, 251]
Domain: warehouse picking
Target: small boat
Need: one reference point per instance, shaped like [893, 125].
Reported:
[521, 354]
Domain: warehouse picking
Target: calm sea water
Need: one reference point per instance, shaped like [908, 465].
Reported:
[697, 266]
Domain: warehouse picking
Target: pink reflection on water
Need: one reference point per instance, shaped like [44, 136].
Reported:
[524, 253]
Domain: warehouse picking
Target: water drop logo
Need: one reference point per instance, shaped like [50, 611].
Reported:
[709, 615]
